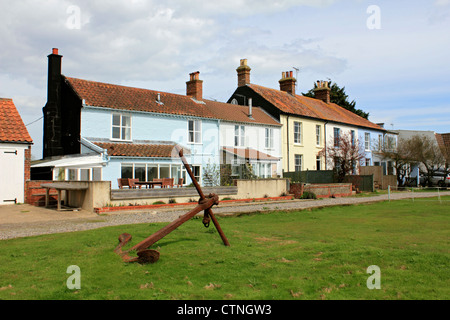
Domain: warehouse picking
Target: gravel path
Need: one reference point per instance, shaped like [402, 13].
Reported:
[93, 221]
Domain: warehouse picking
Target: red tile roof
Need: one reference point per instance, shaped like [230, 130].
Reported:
[113, 96]
[249, 153]
[140, 150]
[310, 107]
[238, 113]
[12, 128]
[443, 140]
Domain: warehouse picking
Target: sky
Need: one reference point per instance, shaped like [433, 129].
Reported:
[392, 57]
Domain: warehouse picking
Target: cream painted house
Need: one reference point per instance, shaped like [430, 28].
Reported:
[308, 124]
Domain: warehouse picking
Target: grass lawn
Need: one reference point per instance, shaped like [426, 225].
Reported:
[311, 254]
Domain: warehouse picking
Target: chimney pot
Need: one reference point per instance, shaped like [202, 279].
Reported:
[194, 87]
[55, 51]
[250, 107]
[322, 92]
[287, 82]
[243, 73]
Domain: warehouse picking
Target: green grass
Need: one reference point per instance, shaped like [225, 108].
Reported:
[312, 254]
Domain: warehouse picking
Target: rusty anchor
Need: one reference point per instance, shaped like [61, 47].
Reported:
[145, 255]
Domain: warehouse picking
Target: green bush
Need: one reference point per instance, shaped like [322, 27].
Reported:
[308, 195]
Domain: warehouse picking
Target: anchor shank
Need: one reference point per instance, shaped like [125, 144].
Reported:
[173, 225]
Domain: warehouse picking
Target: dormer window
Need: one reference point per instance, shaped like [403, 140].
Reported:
[121, 127]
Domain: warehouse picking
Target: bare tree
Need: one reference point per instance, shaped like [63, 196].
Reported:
[425, 151]
[344, 155]
[401, 157]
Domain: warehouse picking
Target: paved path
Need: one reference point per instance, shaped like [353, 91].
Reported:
[24, 220]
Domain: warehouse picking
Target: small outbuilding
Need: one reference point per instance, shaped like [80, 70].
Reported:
[15, 154]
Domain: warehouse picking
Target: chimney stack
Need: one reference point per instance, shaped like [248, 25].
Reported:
[322, 91]
[287, 82]
[243, 72]
[194, 87]
[52, 144]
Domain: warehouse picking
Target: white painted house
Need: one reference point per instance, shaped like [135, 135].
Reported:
[15, 153]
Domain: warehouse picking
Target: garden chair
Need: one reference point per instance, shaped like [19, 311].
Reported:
[167, 183]
[180, 183]
[123, 182]
[132, 183]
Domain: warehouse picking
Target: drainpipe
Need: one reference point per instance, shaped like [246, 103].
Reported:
[325, 143]
[287, 128]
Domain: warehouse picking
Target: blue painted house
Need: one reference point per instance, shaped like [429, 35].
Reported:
[100, 131]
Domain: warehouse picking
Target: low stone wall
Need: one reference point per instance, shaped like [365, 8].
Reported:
[261, 188]
[99, 193]
[330, 190]
[327, 190]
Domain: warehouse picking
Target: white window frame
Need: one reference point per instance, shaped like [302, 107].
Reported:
[318, 135]
[269, 138]
[239, 138]
[336, 138]
[298, 162]
[297, 133]
[121, 127]
[196, 129]
[367, 141]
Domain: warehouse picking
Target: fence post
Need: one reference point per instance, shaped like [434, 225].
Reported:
[389, 193]
[439, 196]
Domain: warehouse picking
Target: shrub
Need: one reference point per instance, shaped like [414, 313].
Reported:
[308, 195]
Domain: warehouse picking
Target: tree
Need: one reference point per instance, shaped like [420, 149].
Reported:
[339, 97]
[425, 150]
[344, 154]
[401, 157]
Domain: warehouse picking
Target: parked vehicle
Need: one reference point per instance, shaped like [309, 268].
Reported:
[440, 179]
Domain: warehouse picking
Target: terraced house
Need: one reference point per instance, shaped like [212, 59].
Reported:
[100, 131]
[308, 124]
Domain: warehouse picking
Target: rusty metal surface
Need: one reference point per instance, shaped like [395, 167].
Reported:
[145, 255]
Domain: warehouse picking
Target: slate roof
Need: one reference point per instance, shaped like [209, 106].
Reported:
[310, 107]
[140, 150]
[249, 153]
[12, 128]
[113, 96]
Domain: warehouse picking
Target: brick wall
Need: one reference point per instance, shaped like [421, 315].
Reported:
[35, 193]
[27, 171]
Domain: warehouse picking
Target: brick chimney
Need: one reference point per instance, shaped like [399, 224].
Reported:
[194, 87]
[243, 72]
[322, 91]
[287, 82]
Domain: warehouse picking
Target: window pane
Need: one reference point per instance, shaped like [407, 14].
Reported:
[196, 171]
[176, 173]
[97, 174]
[127, 171]
[152, 172]
[139, 172]
[126, 122]
[73, 174]
[126, 133]
[116, 120]
[164, 171]
[84, 174]
[197, 137]
[116, 132]
[191, 125]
